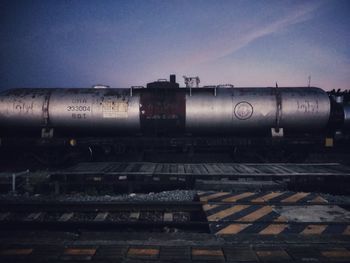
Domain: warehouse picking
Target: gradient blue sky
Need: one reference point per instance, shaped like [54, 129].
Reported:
[123, 43]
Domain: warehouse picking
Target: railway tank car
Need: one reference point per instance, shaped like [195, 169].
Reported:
[41, 127]
[165, 109]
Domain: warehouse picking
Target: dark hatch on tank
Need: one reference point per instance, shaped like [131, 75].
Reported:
[162, 110]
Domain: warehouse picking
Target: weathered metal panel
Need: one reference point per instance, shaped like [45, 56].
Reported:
[23, 107]
[304, 109]
[163, 111]
[102, 109]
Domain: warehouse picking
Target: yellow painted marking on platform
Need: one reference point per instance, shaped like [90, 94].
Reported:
[227, 212]
[295, 198]
[269, 196]
[233, 229]
[347, 231]
[319, 199]
[314, 229]
[235, 198]
[280, 219]
[207, 252]
[256, 214]
[257, 200]
[273, 229]
[328, 142]
[280, 255]
[16, 251]
[80, 251]
[337, 253]
[143, 251]
[207, 207]
[212, 196]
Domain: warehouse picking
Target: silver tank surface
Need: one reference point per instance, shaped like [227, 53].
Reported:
[346, 116]
[23, 107]
[93, 109]
[210, 111]
[238, 110]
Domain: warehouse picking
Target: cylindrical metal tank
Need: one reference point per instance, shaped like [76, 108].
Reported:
[240, 110]
[209, 111]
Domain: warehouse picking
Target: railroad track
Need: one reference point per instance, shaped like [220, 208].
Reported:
[331, 177]
[220, 213]
[220, 226]
[101, 215]
[111, 177]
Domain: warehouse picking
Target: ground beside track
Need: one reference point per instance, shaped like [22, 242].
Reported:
[231, 221]
[242, 227]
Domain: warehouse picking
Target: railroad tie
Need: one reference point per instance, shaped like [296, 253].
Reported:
[275, 255]
[80, 254]
[101, 216]
[337, 254]
[168, 217]
[16, 252]
[134, 215]
[33, 216]
[80, 251]
[143, 252]
[66, 217]
[208, 254]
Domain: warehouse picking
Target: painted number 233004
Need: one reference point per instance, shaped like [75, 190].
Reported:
[78, 108]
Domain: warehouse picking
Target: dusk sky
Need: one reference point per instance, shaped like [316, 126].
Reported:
[123, 43]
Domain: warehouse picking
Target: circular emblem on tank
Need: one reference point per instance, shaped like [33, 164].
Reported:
[243, 110]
